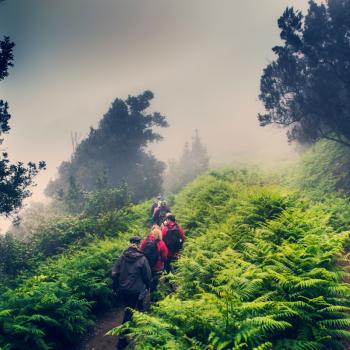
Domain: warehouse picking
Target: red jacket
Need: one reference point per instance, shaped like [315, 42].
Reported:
[165, 230]
[163, 253]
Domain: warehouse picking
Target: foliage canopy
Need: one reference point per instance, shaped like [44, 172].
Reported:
[15, 178]
[116, 151]
[307, 87]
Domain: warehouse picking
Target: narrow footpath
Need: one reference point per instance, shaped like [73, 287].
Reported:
[97, 338]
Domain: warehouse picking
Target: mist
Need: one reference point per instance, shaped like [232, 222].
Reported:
[202, 59]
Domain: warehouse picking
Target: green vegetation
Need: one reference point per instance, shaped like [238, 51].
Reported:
[105, 213]
[305, 88]
[323, 169]
[266, 263]
[264, 268]
[55, 237]
[54, 304]
[116, 152]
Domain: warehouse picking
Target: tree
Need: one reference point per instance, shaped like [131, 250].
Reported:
[74, 197]
[193, 162]
[15, 178]
[307, 87]
[199, 155]
[116, 149]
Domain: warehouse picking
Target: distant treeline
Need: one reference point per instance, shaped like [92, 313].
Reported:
[115, 154]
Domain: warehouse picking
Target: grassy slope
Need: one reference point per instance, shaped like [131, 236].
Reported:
[54, 304]
[261, 270]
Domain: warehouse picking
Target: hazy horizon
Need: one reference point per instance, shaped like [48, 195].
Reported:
[202, 59]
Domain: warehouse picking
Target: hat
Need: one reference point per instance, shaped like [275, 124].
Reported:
[135, 239]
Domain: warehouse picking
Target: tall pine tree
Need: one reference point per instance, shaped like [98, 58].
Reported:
[194, 160]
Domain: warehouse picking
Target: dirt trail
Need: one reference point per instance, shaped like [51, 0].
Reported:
[97, 340]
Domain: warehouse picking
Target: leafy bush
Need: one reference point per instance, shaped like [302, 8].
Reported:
[15, 256]
[265, 269]
[53, 306]
[54, 237]
[324, 168]
[91, 203]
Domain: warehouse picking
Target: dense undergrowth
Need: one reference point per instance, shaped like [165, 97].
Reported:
[264, 268]
[323, 169]
[56, 234]
[54, 304]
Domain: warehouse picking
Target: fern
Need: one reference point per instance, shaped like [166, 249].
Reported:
[261, 273]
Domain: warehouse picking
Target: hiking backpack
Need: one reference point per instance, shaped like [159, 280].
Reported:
[150, 250]
[173, 239]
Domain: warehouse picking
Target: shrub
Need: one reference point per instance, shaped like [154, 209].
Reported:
[267, 270]
[54, 305]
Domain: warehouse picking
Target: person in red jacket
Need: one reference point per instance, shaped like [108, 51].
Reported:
[156, 252]
[173, 237]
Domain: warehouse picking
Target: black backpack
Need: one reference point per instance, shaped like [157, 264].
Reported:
[173, 239]
[150, 250]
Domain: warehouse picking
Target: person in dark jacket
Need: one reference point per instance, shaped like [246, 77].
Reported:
[133, 276]
[159, 214]
[173, 237]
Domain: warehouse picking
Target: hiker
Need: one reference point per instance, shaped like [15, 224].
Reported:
[173, 237]
[156, 204]
[156, 252]
[159, 214]
[132, 276]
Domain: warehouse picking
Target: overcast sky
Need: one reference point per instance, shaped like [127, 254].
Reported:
[202, 58]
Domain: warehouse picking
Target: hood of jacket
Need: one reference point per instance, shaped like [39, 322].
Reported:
[132, 254]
